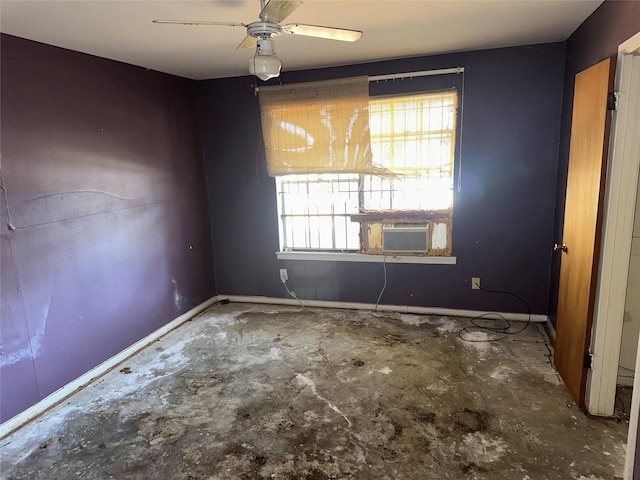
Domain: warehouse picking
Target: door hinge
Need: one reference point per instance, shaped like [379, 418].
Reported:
[612, 101]
[587, 360]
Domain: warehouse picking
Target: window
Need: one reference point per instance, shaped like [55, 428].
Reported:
[407, 210]
[315, 212]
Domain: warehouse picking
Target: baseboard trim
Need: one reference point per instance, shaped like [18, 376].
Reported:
[92, 375]
[453, 312]
[551, 331]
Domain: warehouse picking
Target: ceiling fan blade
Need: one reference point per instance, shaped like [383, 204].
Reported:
[323, 32]
[248, 42]
[199, 22]
[277, 10]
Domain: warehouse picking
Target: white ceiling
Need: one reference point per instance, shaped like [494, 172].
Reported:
[122, 30]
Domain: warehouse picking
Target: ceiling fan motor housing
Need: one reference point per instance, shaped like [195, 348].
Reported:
[263, 30]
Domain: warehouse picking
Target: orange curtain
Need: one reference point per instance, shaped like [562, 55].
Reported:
[317, 127]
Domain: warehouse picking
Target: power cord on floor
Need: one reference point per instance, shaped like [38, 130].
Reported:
[292, 294]
[503, 330]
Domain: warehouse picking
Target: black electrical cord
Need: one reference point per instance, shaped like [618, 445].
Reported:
[503, 330]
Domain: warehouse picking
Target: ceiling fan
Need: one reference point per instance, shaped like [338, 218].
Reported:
[260, 34]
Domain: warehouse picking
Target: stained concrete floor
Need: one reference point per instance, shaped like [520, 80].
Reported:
[271, 392]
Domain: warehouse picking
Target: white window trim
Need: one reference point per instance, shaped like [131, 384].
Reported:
[363, 258]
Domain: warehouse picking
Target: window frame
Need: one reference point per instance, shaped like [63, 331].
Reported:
[364, 216]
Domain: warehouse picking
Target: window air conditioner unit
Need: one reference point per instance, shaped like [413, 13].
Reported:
[405, 238]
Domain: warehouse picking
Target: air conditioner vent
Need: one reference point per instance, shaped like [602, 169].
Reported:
[405, 238]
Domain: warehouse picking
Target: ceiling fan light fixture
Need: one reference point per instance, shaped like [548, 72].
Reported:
[265, 64]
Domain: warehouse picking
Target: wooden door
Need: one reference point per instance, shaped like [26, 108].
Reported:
[582, 224]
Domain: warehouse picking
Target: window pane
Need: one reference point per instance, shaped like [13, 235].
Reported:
[408, 193]
[314, 211]
[413, 137]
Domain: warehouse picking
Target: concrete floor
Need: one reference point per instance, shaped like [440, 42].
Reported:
[268, 392]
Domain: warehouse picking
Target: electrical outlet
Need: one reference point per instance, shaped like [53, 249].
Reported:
[284, 276]
[475, 283]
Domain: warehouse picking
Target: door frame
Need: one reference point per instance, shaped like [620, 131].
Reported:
[617, 230]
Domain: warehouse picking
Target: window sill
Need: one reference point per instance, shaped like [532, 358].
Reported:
[359, 257]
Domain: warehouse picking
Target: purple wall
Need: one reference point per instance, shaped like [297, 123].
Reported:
[103, 172]
[503, 218]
